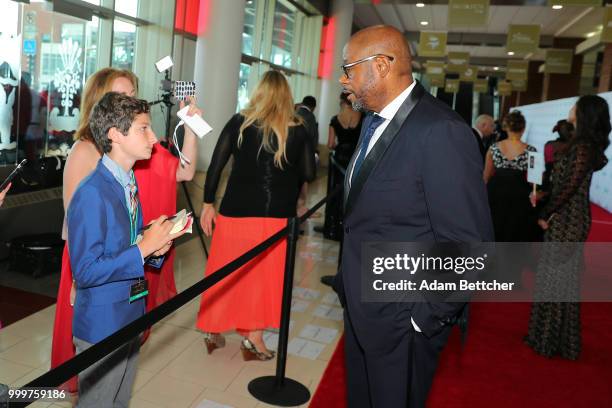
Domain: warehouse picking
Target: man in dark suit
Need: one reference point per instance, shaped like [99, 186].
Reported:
[306, 111]
[416, 176]
[484, 132]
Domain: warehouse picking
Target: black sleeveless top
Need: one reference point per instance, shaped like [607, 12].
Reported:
[256, 187]
[347, 140]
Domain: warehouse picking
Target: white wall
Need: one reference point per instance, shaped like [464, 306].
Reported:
[542, 117]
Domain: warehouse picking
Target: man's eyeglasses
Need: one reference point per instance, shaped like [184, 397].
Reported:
[347, 67]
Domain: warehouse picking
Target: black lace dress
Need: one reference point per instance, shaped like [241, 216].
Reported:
[554, 325]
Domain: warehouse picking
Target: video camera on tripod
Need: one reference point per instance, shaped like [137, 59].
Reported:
[179, 90]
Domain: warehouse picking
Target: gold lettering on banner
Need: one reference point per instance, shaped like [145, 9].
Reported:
[458, 61]
[558, 61]
[504, 88]
[523, 38]
[481, 85]
[470, 74]
[468, 13]
[452, 86]
[517, 70]
[432, 44]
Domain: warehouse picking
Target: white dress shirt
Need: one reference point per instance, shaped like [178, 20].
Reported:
[388, 112]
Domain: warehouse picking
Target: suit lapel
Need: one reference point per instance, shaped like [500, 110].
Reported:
[349, 168]
[379, 149]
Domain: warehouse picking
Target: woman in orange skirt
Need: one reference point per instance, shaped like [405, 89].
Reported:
[273, 157]
[156, 179]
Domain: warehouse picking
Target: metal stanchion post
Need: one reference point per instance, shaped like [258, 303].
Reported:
[279, 390]
[329, 209]
[4, 389]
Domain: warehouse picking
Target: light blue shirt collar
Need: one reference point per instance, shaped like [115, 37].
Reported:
[124, 178]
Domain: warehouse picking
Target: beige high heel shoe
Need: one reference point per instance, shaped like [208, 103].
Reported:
[250, 352]
[213, 341]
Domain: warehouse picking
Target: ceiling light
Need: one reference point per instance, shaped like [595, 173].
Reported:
[557, 6]
[424, 23]
[510, 52]
[495, 68]
[420, 4]
[589, 35]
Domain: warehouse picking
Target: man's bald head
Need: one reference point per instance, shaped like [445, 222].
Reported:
[385, 40]
[379, 67]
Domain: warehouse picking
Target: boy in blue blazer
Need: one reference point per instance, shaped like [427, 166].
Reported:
[104, 220]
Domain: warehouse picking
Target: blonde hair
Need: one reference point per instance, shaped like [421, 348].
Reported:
[96, 86]
[271, 109]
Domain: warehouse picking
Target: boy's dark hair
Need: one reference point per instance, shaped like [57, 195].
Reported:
[114, 110]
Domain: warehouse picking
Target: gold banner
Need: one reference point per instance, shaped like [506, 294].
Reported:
[468, 13]
[452, 86]
[558, 61]
[519, 85]
[504, 88]
[595, 3]
[437, 81]
[435, 69]
[458, 61]
[481, 85]
[523, 38]
[432, 44]
[470, 74]
[606, 33]
[517, 70]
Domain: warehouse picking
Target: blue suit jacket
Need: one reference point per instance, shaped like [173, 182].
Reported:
[104, 264]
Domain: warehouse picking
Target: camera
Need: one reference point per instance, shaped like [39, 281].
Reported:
[180, 90]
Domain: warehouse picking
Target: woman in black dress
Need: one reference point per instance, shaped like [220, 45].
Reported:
[554, 326]
[344, 130]
[514, 219]
[506, 177]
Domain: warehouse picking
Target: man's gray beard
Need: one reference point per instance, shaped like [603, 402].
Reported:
[358, 106]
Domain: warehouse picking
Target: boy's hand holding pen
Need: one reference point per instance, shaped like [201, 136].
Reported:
[157, 237]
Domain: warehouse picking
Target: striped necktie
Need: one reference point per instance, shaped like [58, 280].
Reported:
[133, 206]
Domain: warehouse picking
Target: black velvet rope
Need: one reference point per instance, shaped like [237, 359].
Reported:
[70, 368]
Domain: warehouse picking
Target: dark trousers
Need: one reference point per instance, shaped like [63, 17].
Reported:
[398, 379]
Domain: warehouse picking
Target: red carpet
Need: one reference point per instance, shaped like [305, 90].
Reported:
[495, 369]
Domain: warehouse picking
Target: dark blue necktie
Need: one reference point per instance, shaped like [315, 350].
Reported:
[374, 122]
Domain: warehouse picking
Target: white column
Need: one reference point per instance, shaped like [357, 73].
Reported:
[217, 66]
[342, 15]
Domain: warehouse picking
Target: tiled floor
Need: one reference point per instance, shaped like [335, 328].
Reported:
[174, 368]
